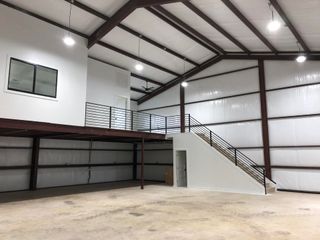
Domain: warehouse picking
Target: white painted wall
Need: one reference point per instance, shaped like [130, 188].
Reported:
[106, 84]
[29, 39]
[209, 169]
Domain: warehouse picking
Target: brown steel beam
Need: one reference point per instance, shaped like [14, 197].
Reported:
[142, 165]
[215, 25]
[200, 36]
[146, 79]
[135, 161]
[120, 15]
[133, 32]
[264, 119]
[34, 164]
[182, 109]
[288, 23]
[149, 3]
[130, 55]
[178, 80]
[237, 12]
[181, 29]
[285, 57]
[138, 90]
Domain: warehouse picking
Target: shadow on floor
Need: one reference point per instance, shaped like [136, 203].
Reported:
[60, 191]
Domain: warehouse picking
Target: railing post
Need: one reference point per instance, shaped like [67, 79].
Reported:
[211, 138]
[235, 157]
[131, 120]
[189, 119]
[110, 116]
[150, 122]
[166, 124]
[264, 181]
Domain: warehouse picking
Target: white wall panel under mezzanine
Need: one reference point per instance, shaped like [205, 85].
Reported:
[28, 39]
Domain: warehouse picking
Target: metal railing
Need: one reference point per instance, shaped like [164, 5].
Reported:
[98, 115]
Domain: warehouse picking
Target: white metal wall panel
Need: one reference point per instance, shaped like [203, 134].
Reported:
[15, 142]
[55, 143]
[238, 108]
[111, 157]
[63, 157]
[157, 156]
[296, 157]
[237, 134]
[155, 173]
[296, 131]
[288, 73]
[62, 176]
[304, 180]
[168, 111]
[109, 174]
[15, 157]
[111, 145]
[225, 85]
[255, 155]
[225, 66]
[14, 180]
[295, 101]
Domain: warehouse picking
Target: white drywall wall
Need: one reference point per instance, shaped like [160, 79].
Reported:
[31, 40]
[209, 169]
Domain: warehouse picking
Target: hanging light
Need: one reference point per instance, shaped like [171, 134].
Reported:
[301, 58]
[139, 67]
[273, 25]
[68, 40]
[184, 83]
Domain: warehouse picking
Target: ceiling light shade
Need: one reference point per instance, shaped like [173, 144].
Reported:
[69, 41]
[184, 84]
[138, 67]
[274, 25]
[301, 58]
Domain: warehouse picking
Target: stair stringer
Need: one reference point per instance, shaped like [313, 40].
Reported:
[208, 169]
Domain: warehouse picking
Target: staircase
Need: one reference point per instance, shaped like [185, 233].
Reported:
[233, 154]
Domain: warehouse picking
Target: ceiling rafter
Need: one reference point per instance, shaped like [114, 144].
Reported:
[237, 12]
[180, 29]
[179, 79]
[133, 32]
[189, 29]
[285, 18]
[138, 90]
[120, 15]
[210, 21]
[130, 55]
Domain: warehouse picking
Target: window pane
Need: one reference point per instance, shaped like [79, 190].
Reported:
[46, 81]
[21, 76]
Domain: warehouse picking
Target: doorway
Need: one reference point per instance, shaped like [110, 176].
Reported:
[181, 168]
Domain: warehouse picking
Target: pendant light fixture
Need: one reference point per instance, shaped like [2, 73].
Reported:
[68, 40]
[184, 83]
[301, 58]
[273, 25]
[139, 67]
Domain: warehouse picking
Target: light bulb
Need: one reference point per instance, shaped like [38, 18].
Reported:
[274, 25]
[301, 58]
[139, 67]
[69, 41]
[184, 84]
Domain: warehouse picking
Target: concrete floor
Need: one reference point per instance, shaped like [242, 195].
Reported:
[161, 212]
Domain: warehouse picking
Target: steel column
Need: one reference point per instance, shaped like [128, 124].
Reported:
[264, 118]
[34, 163]
[182, 110]
[135, 160]
[142, 165]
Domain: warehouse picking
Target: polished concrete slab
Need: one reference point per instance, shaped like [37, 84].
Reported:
[161, 212]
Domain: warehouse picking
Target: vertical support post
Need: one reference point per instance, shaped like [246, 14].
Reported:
[110, 117]
[189, 120]
[182, 110]
[131, 120]
[34, 163]
[166, 124]
[142, 165]
[211, 138]
[135, 160]
[235, 157]
[150, 122]
[264, 118]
